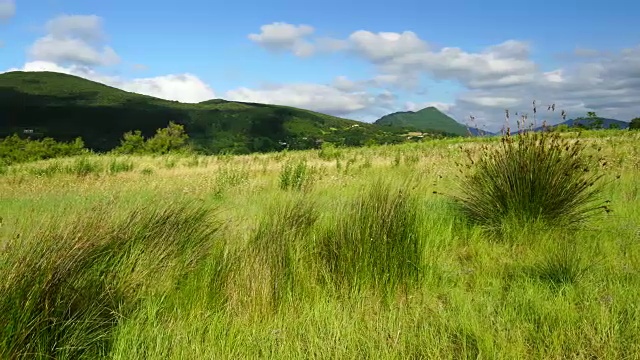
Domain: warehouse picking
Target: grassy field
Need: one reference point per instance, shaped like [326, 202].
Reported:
[334, 253]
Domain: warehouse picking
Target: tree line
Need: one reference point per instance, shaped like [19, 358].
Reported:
[174, 139]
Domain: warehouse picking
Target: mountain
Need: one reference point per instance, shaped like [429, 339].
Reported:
[65, 107]
[480, 132]
[428, 119]
[606, 123]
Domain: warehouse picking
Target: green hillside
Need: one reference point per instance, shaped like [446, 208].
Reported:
[65, 107]
[428, 120]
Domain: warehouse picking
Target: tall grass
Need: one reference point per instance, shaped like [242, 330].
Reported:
[68, 285]
[352, 267]
[120, 165]
[281, 246]
[374, 240]
[83, 166]
[296, 176]
[531, 177]
[329, 152]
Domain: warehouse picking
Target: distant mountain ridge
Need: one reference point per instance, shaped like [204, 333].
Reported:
[429, 119]
[606, 123]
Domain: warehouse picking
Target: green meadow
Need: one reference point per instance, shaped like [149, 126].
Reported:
[337, 253]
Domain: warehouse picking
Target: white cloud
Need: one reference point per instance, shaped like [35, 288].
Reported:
[497, 77]
[491, 101]
[387, 79]
[317, 97]
[610, 86]
[7, 9]
[402, 58]
[413, 106]
[72, 50]
[186, 88]
[474, 70]
[74, 39]
[343, 98]
[47, 66]
[510, 49]
[555, 76]
[343, 83]
[280, 36]
[503, 76]
[386, 45]
[85, 27]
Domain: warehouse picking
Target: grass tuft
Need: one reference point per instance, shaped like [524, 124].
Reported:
[279, 245]
[562, 267]
[375, 239]
[295, 177]
[83, 166]
[117, 166]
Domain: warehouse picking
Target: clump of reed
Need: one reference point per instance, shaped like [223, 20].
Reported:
[530, 177]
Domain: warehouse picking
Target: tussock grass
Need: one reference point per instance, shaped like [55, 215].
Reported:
[531, 177]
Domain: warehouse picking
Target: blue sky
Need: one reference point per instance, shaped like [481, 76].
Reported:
[358, 59]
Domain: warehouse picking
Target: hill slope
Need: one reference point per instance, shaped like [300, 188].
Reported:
[64, 107]
[428, 119]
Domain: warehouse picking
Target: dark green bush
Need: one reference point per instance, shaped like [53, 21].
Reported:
[14, 149]
[166, 140]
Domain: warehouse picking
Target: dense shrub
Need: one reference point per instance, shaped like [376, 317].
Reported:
[14, 149]
[166, 140]
[132, 143]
